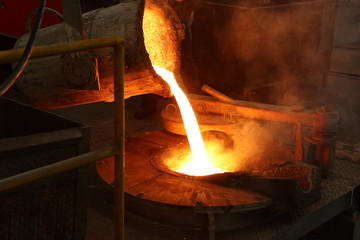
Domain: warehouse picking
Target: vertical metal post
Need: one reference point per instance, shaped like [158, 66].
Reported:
[211, 226]
[72, 15]
[298, 142]
[119, 140]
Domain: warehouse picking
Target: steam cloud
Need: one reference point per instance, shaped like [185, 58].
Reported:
[252, 143]
[275, 55]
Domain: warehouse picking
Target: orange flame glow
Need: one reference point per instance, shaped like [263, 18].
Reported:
[199, 163]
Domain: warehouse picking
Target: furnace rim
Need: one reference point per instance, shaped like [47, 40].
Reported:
[158, 160]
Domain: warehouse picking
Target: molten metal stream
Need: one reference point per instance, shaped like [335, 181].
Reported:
[199, 163]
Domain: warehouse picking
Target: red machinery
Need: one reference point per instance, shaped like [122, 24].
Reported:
[15, 14]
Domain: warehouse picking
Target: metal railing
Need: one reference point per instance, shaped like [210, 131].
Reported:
[116, 150]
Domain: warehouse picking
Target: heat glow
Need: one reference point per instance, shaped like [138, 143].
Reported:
[198, 163]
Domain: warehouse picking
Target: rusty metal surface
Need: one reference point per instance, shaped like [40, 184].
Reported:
[155, 191]
[143, 180]
[254, 110]
[159, 197]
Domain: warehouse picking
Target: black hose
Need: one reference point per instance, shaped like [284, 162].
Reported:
[36, 11]
[10, 80]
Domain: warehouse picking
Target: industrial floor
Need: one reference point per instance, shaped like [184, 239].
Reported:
[342, 91]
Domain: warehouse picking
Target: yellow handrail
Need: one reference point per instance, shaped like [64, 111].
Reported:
[116, 150]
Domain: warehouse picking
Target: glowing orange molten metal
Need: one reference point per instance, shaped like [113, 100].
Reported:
[198, 163]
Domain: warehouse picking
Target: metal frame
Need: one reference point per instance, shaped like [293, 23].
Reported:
[116, 150]
[323, 123]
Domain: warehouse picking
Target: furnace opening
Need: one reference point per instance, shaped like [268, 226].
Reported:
[176, 159]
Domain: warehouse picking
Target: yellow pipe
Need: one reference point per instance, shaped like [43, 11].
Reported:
[119, 140]
[14, 55]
